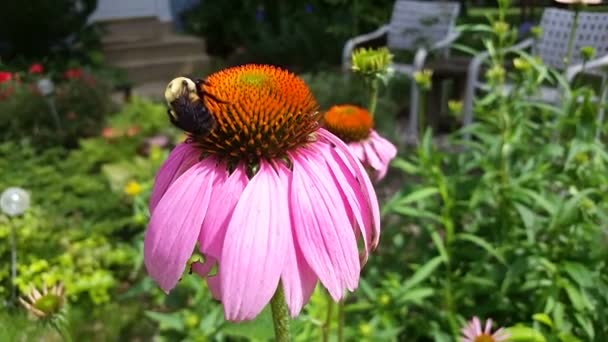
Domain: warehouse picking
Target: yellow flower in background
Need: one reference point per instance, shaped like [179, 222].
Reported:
[133, 188]
[424, 78]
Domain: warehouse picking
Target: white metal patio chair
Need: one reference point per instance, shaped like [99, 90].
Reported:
[552, 48]
[420, 26]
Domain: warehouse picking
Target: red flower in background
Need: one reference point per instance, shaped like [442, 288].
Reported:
[74, 73]
[5, 76]
[36, 68]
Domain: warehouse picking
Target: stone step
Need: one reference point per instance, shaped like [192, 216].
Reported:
[165, 69]
[165, 46]
[133, 29]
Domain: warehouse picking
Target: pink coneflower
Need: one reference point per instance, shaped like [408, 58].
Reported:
[355, 125]
[271, 199]
[473, 333]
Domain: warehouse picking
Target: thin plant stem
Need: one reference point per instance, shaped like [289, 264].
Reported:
[280, 315]
[341, 321]
[373, 97]
[569, 52]
[327, 325]
[13, 262]
[421, 113]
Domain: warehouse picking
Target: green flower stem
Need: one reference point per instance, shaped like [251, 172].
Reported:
[421, 113]
[341, 321]
[13, 263]
[373, 98]
[280, 315]
[568, 58]
[327, 325]
[62, 330]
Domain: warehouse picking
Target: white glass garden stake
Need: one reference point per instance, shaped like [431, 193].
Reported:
[14, 202]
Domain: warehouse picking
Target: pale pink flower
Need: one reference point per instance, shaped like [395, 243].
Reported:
[354, 125]
[283, 208]
[473, 332]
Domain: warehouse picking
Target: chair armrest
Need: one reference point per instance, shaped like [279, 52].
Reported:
[593, 64]
[353, 42]
[446, 41]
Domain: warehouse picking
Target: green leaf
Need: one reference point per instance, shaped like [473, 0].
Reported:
[574, 295]
[260, 329]
[418, 195]
[543, 318]
[521, 333]
[528, 217]
[413, 212]
[438, 241]
[579, 274]
[404, 165]
[423, 273]
[568, 337]
[167, 321]
[483, 244]
[586, 324]
[416, 295]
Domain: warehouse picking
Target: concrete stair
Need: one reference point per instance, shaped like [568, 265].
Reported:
[149, 51]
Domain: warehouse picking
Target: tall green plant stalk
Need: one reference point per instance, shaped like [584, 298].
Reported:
[280, 315]
[341, 321]
[327, 325]
[374, 86]
[568, 58]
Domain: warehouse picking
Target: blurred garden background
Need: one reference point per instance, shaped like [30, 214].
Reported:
[496, 206]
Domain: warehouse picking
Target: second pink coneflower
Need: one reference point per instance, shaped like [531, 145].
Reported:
[355, 126]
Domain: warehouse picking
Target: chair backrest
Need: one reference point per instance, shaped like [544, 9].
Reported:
[592, 30]
[421, 23]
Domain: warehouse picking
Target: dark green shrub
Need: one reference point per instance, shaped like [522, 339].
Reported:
[75, 109]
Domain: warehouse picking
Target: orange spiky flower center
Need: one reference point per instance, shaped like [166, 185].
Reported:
[267, 112]
[348, 122]
[485, 338]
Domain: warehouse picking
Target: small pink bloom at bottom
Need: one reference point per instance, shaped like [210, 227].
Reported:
[473, 332]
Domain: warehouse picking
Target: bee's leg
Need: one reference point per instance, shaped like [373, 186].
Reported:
[200, 81]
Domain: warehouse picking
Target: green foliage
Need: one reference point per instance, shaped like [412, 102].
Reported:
[512, 226]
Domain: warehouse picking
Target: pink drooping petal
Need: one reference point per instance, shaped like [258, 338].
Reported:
[352, 196]
[253, 255]
[469, 332]
[385, 149]
[180, 159]
[501, 335]
[358, 151]
[477, 326]
[488, 327]
[373, 160]
[176, 222]
[227, 190]
[341, 152]
[298, 279]
[203, 268]
[215, 286]
[324, 232]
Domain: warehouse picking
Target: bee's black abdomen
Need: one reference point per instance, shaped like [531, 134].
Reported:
[193, 116]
